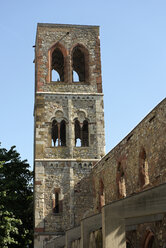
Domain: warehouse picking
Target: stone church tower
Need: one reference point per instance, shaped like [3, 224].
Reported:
[69, 121]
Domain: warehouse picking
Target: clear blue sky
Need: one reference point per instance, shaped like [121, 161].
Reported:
[133, 53]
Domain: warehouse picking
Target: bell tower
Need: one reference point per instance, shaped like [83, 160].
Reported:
[69, 121]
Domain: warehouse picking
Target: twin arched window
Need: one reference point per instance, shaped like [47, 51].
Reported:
[59, 68]
[58, 133]
[81, 134]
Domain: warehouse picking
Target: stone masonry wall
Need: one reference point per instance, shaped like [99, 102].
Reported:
[63, 176]
[50, 34]
[139, 236]
[148, 135]
[69, 107]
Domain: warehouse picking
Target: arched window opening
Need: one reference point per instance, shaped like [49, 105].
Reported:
[57, 203]
[85, 140]
[56, 209]
[75, 77]
[57, 65]
[121, 181]
[77, 134]
[54, 133]
[102, 194]
[63, 133]
[150, 240]
[79, 63]
[143, 168]
[58, 133]
[81, 134]
[55, 76]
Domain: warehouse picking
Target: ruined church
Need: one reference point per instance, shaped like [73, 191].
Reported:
[84, 198]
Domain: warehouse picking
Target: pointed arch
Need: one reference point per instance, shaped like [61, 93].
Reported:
[80, 62]
[101, 194]
[121, 183]
[143, 168]
[149, 240]
[57, 62]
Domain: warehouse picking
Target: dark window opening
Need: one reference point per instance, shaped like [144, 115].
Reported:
[79, 63]
[58, 133]
[85, 134]
[56, 209]
[57, 65]
[63, 133]
[119, 166]
[151, 242]
[152, 118]
[54, 133]
[128, 245]
[81, 134]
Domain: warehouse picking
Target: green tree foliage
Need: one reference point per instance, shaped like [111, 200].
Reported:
[16, 204]
[8, 225]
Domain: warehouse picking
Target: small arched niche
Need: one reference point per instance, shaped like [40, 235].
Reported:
[143, 168]
[102, 194]
[57, 65]
[80, 64]
[121, 183]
